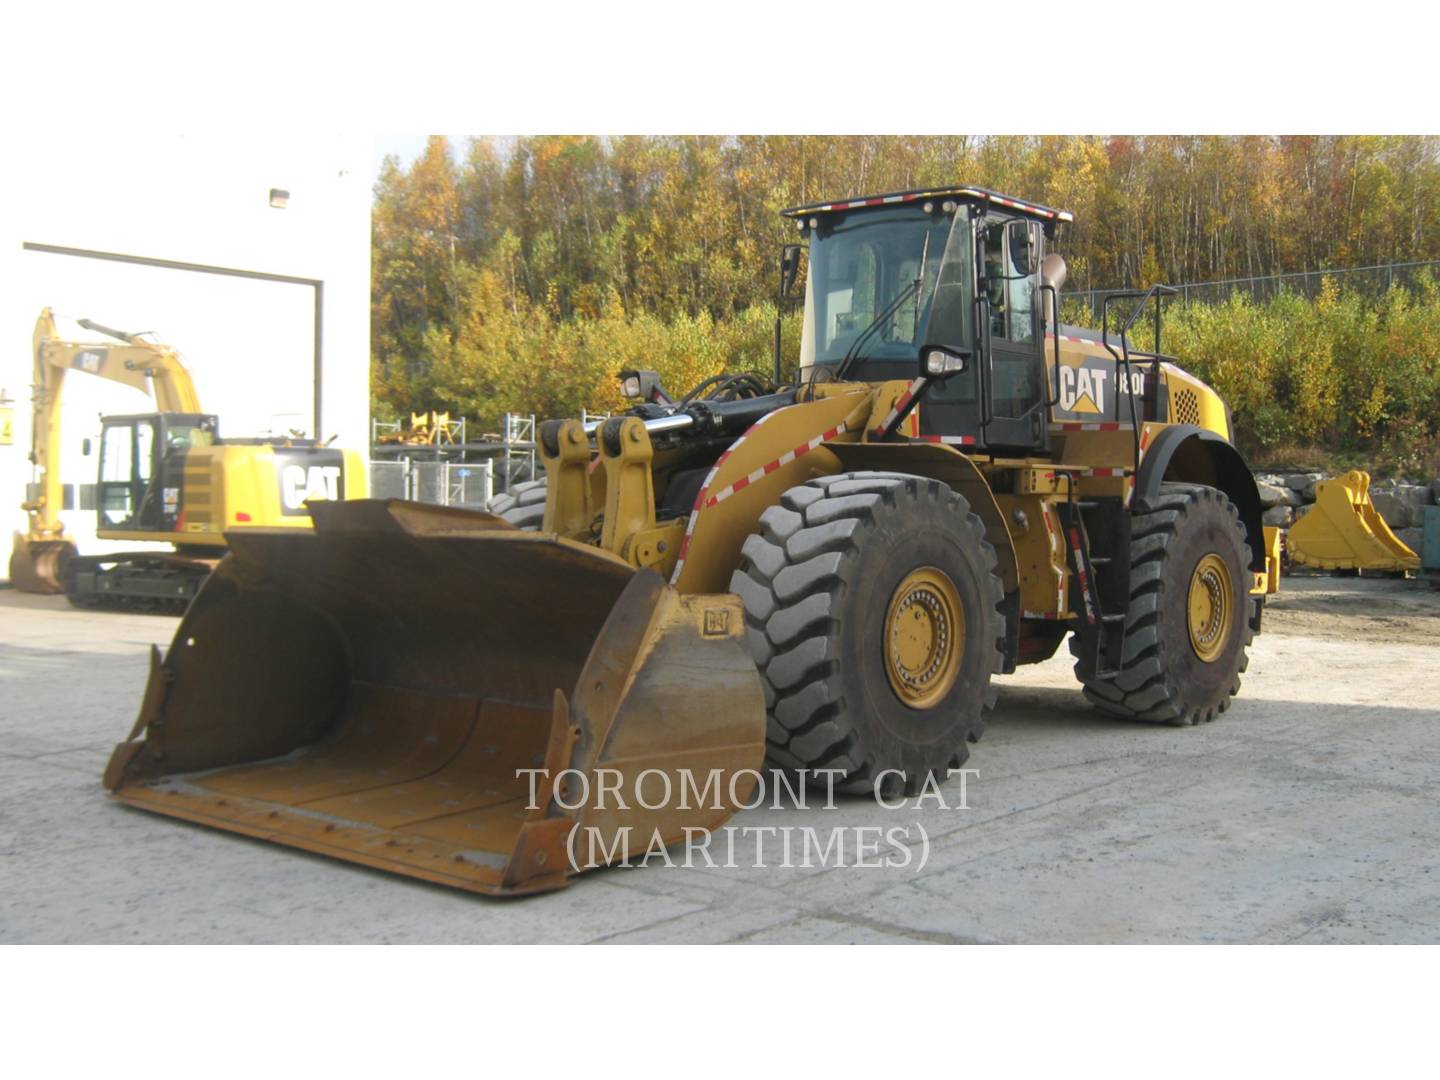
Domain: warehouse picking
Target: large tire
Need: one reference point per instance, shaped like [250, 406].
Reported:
[824, 582]
[522, 505]
[1163, 676]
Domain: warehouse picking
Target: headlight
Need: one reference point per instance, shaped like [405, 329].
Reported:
[941, 362]
[630, 386]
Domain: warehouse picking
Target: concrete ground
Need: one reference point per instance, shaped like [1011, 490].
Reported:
[1307, 813]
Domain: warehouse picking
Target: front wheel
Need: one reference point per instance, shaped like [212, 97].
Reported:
[1188, 623]
[873, 607]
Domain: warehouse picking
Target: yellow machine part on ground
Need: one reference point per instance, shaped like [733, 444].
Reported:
[1344, 531]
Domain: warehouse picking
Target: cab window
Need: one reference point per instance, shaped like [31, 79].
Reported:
[117, 474]
[144, 448]
[994, 271]
[1020, 286]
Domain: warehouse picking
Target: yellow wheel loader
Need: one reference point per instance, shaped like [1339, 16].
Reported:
[825, 574]
[165, 477]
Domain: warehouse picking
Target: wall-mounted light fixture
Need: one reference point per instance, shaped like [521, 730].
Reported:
[279, 197]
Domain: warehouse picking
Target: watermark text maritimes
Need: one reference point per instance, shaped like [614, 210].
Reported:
[663, 789]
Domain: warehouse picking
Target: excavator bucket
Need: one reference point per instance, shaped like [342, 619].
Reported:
[1343, 530]
[38, 566]
[439, 694]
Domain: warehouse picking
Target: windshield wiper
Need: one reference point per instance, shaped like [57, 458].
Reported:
[852, 354]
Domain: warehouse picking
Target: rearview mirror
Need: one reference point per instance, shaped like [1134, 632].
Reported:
[942, 361]
[789, 269]
[1024, 254]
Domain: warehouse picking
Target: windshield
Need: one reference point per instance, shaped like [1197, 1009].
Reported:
[189, 436]
[861, 263]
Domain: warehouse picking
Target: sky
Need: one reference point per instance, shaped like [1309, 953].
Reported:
[407, 148]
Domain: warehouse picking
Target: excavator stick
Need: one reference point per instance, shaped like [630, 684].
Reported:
[38, 566]
[436, 693]
[1344, 531]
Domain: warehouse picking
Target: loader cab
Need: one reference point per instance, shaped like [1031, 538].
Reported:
[142, 461]
[959, 268]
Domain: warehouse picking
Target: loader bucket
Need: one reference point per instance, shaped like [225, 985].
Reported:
[38, 566]
[1343, 530]
[386, 689]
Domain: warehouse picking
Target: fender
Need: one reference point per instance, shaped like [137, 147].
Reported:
[949, 466]
[1196, 455]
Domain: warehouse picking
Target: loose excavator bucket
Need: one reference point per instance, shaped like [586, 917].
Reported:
[387, 688]
[38, 566]
[1343, 530]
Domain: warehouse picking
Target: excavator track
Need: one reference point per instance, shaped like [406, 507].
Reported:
[156, 583]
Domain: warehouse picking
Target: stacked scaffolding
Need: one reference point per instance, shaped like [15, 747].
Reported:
[446, 467]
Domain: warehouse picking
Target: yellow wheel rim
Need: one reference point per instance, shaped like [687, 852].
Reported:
[1211, 607]
[924, 637]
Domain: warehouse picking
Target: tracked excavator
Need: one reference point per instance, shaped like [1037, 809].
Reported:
[166, 476]
[826, 574]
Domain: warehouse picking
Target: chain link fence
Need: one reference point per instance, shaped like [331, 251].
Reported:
[1371, 281]
[445, 483]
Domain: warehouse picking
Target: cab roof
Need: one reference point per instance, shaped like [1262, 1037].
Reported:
[977, 194]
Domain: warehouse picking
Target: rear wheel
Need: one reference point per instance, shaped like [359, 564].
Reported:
[522, 505]
[872, 602]
[1189, 618]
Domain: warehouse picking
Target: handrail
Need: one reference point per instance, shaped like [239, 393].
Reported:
[1122, 358]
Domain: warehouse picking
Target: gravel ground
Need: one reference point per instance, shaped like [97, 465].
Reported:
[1306, 813]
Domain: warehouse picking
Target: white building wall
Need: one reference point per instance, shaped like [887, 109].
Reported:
[249, 343]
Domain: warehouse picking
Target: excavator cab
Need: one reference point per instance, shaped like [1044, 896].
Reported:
[142, 460]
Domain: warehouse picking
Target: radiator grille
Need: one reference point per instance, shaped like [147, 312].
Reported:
[1184, 407]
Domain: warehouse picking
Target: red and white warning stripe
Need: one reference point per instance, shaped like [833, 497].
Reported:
[1108, 426]
[1063, 215]
[1106, 472]
[701, 495]
[912, 196]
[901, 404]
[947, 440]
[1077, 341]
[704, 500]
[855, 204]
[771, 466]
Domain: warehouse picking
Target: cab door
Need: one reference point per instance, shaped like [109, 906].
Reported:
[116, 495]
[999, 400]
[1013, 349]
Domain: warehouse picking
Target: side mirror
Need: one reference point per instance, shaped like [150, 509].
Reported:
[942, 361]
[789, 269]
[1024, 253]
[85, 447]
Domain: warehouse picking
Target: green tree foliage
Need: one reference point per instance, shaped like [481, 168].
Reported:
[522, 275]
[1341, 371]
